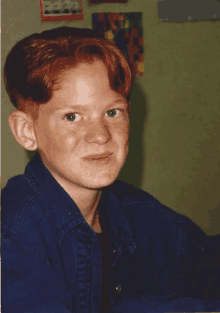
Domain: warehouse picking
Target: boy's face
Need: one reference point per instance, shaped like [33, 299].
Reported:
[82, 132]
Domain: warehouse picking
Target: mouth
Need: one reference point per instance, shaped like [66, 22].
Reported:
[98, 157]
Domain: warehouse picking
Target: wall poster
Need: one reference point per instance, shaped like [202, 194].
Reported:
[126, 31]
[61, 10]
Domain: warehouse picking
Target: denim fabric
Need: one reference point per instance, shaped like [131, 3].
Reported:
[149, 305]
[51, 258]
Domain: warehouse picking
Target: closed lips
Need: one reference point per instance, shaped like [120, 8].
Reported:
[98, 156]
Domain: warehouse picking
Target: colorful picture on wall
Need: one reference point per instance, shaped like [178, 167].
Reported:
[61, 10]
[126, 31]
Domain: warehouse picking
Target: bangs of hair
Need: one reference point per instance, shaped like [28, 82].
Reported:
[41, 64]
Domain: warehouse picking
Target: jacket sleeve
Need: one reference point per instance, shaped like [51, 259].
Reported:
[198, 262]
[29, 284]
[212, 263]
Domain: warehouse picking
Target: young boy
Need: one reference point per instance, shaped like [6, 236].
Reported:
[73, 238]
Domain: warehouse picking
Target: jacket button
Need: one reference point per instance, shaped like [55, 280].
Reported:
[118, 289]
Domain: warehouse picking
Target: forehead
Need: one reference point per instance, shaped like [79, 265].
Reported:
[84, 76]
[83, 85]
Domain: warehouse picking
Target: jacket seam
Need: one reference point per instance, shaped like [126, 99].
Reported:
[25, 249]
[23, 212]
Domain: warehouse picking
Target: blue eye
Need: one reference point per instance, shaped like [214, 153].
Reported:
[71, 117]
[112, 113]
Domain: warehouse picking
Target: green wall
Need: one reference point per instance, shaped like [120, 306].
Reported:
[175, 128]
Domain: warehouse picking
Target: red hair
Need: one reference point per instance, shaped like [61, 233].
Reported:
[35, 64]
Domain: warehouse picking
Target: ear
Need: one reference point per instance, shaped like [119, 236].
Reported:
[22, 128]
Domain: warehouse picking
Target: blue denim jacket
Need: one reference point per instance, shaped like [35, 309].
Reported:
[51, 258]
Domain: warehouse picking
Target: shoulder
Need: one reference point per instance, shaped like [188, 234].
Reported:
[145, 210]
[132, 198]
[19, 198]
[17, 190]
[20, 185]
[22, 219]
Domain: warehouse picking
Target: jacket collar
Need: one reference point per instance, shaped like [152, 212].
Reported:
[65, 215]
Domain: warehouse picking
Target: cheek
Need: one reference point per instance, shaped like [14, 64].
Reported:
[121, 133]
[67, 142]
[124, 130]
[51, 140]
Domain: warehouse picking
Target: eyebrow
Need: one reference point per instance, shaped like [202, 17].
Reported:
[121, 100]
[82, 107]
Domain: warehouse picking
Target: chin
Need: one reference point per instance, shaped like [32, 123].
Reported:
[100, 182]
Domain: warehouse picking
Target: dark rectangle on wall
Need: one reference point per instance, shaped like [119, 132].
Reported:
[107, 1]
[188, 10]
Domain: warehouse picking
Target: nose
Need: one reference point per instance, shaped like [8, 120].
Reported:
[97, 132]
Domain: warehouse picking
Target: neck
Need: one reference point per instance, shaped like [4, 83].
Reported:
[88, 204]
